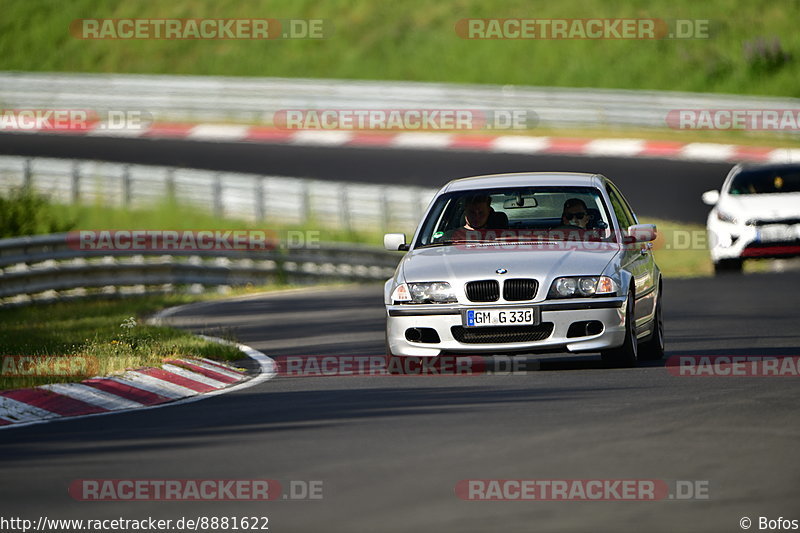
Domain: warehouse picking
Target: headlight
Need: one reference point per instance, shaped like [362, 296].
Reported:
[577, 287]
[726, 217]
[435, 292]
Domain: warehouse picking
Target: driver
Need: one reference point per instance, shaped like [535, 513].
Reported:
[575, 214]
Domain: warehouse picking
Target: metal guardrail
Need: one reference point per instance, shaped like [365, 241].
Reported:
[252, 197]
[45, 268]
[236, 99]
[49, 267]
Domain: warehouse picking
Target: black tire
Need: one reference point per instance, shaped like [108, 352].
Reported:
[625, 356]
[728, 266]
[653, 348]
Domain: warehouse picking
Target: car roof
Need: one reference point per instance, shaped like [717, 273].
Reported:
[767, 166]
[522, 179]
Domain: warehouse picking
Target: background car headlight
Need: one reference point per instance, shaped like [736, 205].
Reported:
[726, 217]
[576, 287]
[435, 292]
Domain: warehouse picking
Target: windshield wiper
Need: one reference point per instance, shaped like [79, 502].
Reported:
[440, 243]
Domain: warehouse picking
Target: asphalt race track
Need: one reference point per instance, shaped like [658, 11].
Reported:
[390, 450]
[660, 188]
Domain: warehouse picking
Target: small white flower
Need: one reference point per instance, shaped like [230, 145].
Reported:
[129, 323]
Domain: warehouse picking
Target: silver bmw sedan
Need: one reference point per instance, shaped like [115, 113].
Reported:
[527, 263]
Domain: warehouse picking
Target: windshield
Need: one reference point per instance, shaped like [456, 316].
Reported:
[518, 214]
[766, 181]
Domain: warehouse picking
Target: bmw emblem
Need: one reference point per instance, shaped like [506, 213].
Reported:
[501, 271]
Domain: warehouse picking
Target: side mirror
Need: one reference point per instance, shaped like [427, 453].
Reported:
[395, 242]
[642, 233]
[711, 197]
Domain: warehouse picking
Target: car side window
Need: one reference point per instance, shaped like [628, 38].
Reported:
[621, 209]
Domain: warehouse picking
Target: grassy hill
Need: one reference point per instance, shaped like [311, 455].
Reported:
[753, 47]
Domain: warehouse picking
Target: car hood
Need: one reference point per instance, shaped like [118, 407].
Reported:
[762, 206]
[445, 263]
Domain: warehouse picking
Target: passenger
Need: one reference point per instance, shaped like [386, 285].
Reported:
[479, 216]
[476, 211]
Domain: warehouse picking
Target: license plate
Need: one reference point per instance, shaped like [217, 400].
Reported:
[476, 318]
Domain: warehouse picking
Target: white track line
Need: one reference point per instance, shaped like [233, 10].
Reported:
[784, 155]
[148, 384]
[156, 384]
[92, 396]
[614, 147]
[321, 137]
[194, 376]
[518, 144]
[421, 140]
[707, 152]
[225, 366]
[23, 412]
[212, 368]
[218, 132]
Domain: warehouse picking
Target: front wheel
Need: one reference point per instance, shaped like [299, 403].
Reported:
[627, 354]
[728, 266]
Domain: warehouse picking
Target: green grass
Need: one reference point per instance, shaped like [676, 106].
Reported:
[176, 216]
[111, 333]
[681, 250]
[416, 40]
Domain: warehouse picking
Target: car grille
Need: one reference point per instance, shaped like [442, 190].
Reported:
[502, 334]
[787, 221]
[487, 290]
[515, 290]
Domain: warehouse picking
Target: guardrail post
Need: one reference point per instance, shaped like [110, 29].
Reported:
[305, 202]
[219, 207]
[126, 186]
[76, 182]
[419, 208]
[171, 184]
[27, 176]
[259, 198]
[344, 207]
[385, 215]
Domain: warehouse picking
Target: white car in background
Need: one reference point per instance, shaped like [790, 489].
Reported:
[756, 215]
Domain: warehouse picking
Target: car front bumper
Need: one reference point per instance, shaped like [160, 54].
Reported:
[730, 241]
[561, 314]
